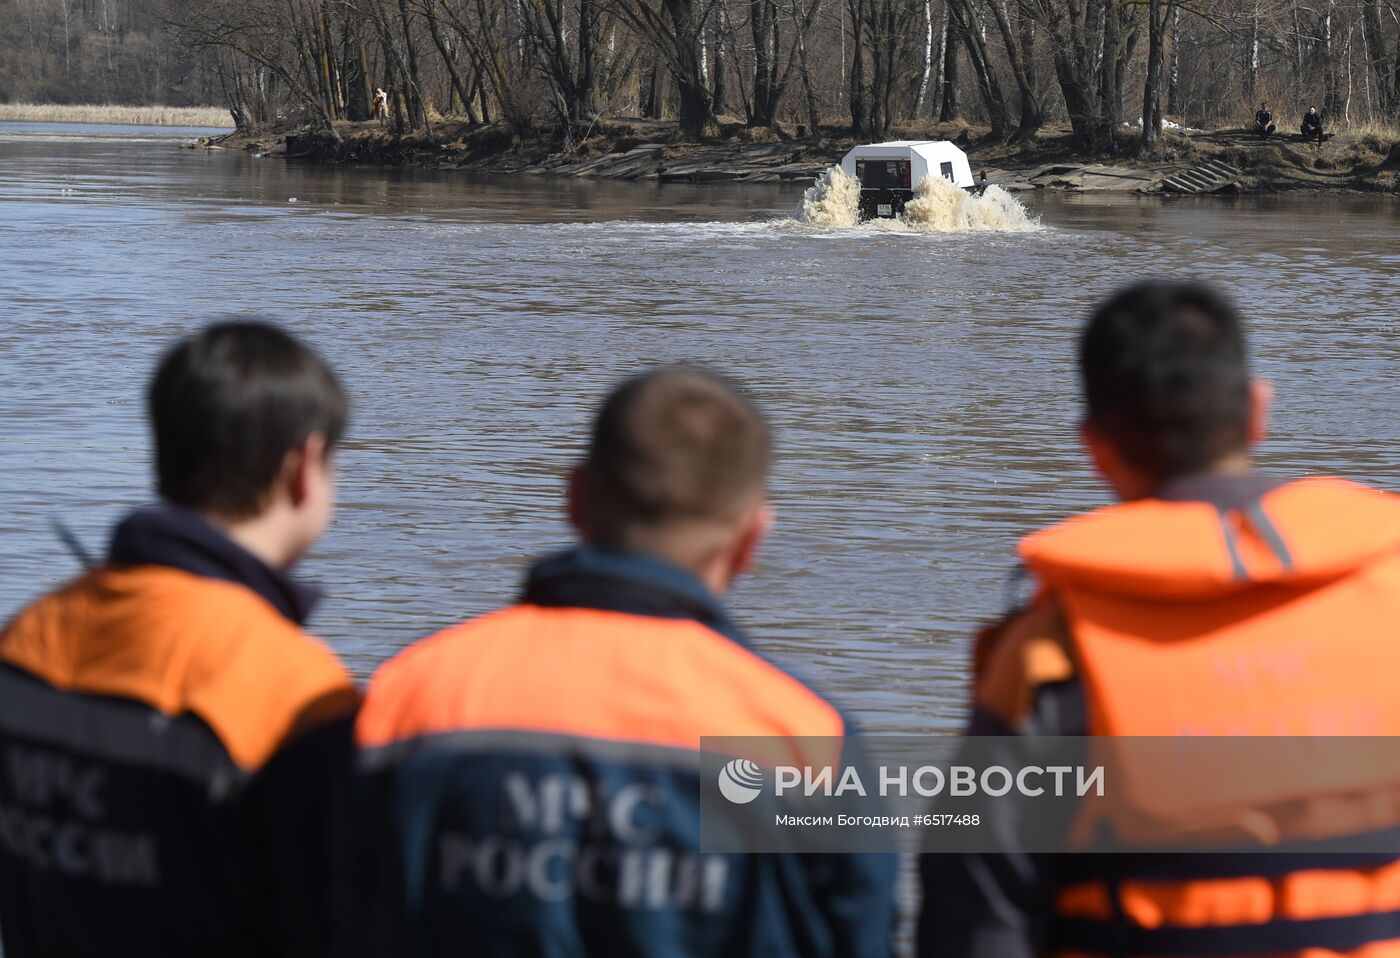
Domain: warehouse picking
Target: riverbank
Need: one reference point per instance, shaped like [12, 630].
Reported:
[634, 149]
[201, 116]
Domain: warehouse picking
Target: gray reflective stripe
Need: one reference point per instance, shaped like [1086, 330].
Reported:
[1269, 532]
[1241, 573]
[516, 741]
[116, 731]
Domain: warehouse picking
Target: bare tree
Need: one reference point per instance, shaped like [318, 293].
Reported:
[1158, 15]
[673, 28]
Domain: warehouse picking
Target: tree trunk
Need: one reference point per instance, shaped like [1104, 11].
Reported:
[814, 117]
[697, 109]
[722, 31]
[1110, 106]
[1387, 76]
[651, 92]
[858, 92]
[928, 59]
[445, 52]
[948, 108]
[1019, 58]
[585, 84]
[1251, 72]
[418, 107]
[1331, 95]
[1152, 86]
[1074, 65]
[988, 83]
[763, 24]
[356, 71]
[1174, 78]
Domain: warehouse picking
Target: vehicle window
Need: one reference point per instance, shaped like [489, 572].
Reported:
[883, 174]
[947, 170]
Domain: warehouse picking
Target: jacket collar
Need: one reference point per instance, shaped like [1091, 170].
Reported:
[1226, 493]
[616, 580]
[183, 539]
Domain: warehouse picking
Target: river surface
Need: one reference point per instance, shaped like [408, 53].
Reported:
[921, 386]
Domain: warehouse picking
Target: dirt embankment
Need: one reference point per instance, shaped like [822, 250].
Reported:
[1188, 162]
[615, 149]
[1199, 161]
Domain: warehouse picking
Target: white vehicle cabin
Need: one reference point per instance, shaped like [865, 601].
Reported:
[889, 173]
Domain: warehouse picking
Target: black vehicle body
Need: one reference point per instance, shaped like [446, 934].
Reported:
[885, 186]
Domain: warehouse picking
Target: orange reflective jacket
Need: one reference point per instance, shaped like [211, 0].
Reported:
[139, 708]
[531, 783]
[591, 674]
[1278, 619]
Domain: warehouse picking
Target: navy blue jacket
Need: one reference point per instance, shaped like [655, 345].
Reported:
[530, 784]
[171, 742]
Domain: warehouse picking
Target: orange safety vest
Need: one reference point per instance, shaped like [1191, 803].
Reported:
[137, 707]
[185, 646]
[530, 783]
[1278, 619]
[589, 674]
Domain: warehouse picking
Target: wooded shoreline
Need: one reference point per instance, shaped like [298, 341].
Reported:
[639, 149]
[1013, 70]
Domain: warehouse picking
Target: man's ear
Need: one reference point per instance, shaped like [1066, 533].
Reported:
[297, 468]
[1126, 481]
[1261, 403]
[576, 500]
[754, 530]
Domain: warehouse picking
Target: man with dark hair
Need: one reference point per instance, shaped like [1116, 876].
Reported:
[1312, 125]
[168, 733]
[1264, 121]
[531, 779]
[1212, 600]
[1166, 390]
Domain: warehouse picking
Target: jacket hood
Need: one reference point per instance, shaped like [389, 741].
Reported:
[1301, 533]
[183, 539]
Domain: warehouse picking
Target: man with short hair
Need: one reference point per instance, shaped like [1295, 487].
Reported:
[1312, 125]
[531, 777]
[168, 733]
[1264, 121]
[1211, 601]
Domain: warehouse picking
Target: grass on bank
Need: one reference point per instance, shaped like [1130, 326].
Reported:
[135, 115]
[1376, 138]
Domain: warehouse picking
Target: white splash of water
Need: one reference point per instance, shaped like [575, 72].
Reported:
[941, 207]
[832, 202]
[938, 207]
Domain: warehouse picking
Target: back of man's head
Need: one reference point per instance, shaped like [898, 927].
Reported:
[1165, 378]
[228, 405]
[676, 447]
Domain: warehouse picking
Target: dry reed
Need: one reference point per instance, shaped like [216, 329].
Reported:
[138, 115]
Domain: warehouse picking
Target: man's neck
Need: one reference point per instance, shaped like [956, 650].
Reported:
[1236, 464]
[711, 570]
[1225, 491]
[1136, 486]
[262, 535]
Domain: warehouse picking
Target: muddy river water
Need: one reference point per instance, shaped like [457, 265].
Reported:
[921, 385]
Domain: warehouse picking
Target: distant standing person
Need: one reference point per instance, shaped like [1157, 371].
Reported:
[1312, 125]
[1264, 121]
[381, 104]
